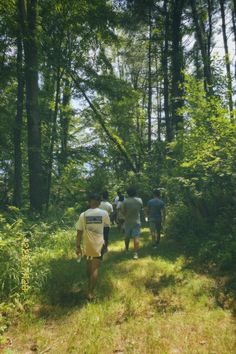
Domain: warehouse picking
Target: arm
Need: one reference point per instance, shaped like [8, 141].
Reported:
[123, 209]
[163, 212]
[79, 228]
[106, 220]
[142, 211]
[78, 242]
[148, 210]
[145, 209]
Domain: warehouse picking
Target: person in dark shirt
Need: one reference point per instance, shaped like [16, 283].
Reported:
[131, 209]
[156, 214]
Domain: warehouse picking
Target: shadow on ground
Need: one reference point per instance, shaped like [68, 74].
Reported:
[65, 287]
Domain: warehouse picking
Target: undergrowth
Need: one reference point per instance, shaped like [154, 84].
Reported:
[162, 303]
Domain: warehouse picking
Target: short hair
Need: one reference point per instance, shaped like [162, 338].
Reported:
[121, 198]
[157, 193]
[105, 195]
[131, 191]
[94, 196]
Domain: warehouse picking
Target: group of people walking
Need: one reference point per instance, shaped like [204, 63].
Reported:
[94, 226]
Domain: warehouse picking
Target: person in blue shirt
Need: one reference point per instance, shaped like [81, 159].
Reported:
[155, 214]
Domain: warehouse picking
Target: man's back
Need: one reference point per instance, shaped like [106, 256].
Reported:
[131, 209]
[155, 207]
[105, 205]
[93, 219]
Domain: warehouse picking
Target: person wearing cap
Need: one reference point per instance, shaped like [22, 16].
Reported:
[91, 226]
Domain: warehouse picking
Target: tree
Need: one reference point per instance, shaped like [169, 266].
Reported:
[28, 16]
[227, 58]
[177, 64]
[17, 197]
[203, 40]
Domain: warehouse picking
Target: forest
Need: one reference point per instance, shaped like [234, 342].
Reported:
[101, 95]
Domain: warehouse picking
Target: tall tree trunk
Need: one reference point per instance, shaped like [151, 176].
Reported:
[165, 54]
[64, 123]
[29, 23]
[234, 30]
[53, 138]
[158, 97]
[159, 110]
[17, 196]
[150, 81]
[209, 34]
[177, 65]
[203, 48]
[227, 58]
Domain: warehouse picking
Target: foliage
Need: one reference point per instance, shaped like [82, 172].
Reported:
[26, 250]
[161, 294]
[201, 189]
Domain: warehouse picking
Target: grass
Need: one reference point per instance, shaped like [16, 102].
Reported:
[156, 304]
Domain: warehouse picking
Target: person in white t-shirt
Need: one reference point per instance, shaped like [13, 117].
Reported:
[105, 205]
[94, 220]
[120, 219]
[115, 205]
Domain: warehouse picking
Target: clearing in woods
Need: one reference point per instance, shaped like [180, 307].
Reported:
[160, 303]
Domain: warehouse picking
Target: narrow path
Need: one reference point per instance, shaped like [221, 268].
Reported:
[157, 304]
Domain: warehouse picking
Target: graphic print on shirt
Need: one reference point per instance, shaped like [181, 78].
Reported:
[93, 219]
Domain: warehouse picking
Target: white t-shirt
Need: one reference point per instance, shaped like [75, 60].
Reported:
[119, 204]
[116, 200]
[104, 205]
[95, 220]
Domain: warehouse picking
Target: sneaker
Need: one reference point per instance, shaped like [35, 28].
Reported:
[90, 297]
[135, 255]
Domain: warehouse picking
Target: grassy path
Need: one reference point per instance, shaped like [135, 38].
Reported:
[157, 304]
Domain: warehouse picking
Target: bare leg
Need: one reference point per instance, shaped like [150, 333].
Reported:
[127, 243]
[106, 238]
[136, 244]
[153, 237]
[92, 271]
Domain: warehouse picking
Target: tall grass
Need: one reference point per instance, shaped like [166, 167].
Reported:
[160, 303]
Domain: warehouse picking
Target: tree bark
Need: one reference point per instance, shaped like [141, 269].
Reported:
[165, 54]
[53, 138]
[159, 110]
[227, 58]
[234, 30]
[29, 22]
[209, 34]
[203, 48]
[64, 123]
[17, 195]
[150, 81]
[177, 65]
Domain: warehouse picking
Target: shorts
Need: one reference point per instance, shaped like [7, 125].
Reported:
[90, 258]
[132, 230]
[155, 225]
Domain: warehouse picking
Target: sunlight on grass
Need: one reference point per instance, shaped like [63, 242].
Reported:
[153, 305]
